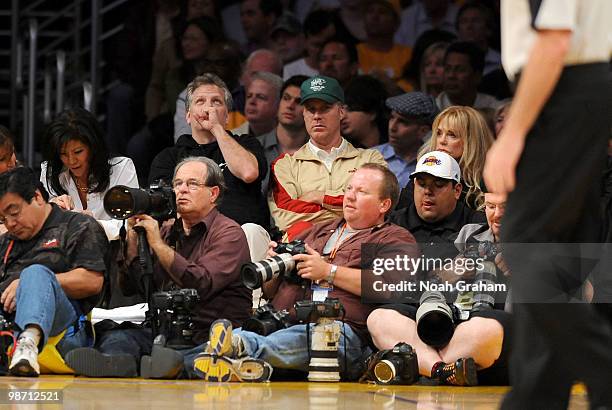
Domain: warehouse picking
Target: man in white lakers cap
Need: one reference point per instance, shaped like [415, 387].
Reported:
[436, 215]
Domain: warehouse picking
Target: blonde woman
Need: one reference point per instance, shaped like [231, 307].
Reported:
[463, 133]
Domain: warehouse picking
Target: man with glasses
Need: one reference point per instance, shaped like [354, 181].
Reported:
[241, 157]
[53, 265]
[202, 250]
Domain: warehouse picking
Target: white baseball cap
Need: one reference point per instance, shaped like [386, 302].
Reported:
[439, 164]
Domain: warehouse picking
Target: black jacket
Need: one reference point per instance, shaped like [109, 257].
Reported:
[242, 202]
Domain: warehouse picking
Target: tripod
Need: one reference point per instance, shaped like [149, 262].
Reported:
[146, 279]
[164, 363]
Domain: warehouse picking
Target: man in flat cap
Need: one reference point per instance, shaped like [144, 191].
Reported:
[411, 117]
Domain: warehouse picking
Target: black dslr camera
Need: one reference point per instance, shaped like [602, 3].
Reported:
[267, 320]
[312, 311]
[486, 250]
[485, 276]
[175, 321]
[255, 274]
[6, 340]
[394, 366]
[122, 202]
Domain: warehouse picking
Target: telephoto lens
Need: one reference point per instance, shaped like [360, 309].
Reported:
[255, 274]
[122, 202]
[434, 318]
[324, 365]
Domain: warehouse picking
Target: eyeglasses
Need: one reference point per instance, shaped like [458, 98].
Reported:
[11, 216]
[192, 184]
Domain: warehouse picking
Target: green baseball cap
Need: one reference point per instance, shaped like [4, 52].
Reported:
[323, 88]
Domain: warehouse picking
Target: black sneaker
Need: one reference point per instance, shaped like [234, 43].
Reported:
[89, 362]
[164, 363]
[460, 373]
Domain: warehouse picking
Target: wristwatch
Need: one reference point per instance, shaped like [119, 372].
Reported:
[332, 274]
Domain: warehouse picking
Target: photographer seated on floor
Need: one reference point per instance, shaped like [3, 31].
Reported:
[323, 282]
[53, 270]
[468, 344]
[197, 258]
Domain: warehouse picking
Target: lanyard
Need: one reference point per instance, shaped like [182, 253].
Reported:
[337, 244]
[8, 251]
[6, 256]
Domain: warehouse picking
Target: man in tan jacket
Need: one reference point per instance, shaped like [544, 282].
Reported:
[308, 186]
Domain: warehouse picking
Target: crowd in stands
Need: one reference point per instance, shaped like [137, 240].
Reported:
[342, 124]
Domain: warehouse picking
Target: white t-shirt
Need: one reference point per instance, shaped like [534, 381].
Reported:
[123, 172]
[589, 21]
[415, 21]
[298, 67]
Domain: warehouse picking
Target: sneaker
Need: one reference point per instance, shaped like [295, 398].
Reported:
[87, 361]
[212, 368]
[164, 363]
[222, 342]
[220, 338]
[460, 373]
[25, 359]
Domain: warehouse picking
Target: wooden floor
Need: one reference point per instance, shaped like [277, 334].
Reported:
[83, 393]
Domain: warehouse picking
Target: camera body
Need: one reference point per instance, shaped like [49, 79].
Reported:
[255, 274]
[267, 320]
[6, 340]
[487, 275]
[294, 247]
[396, 366]
[486, 250]
[312, 311]
[175, 321]
[158, 201]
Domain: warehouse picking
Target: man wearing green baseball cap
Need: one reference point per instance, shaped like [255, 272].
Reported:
[308, 186]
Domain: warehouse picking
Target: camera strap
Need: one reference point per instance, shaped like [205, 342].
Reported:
[9, 248]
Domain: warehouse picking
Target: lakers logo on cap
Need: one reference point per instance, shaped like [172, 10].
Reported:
[317, 84]
[431, 161]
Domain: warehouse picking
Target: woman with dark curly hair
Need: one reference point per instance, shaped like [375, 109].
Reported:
[78, 171]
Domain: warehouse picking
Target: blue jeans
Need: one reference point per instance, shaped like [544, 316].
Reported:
[41, 301]
[288, 349]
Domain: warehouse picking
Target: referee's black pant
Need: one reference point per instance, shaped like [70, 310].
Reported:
[556, 200]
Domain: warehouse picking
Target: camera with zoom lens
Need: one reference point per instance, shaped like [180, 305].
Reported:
[122, 202]
[175, 321]
[255, 274]
[395, 366]
[486, 272]
[324, 365]
[267, 320]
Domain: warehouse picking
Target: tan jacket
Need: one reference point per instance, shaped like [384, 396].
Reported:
[301, 172]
